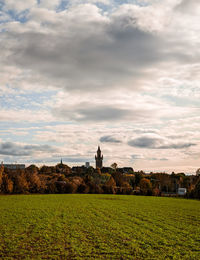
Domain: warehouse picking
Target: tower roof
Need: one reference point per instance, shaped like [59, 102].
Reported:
[99, 158]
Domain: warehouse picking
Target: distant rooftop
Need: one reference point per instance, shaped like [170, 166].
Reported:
[14, 166]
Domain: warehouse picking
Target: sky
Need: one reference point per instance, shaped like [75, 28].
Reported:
[120, 74]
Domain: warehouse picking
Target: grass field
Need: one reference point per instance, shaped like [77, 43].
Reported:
[98, 227]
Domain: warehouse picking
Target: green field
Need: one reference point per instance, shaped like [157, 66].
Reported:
[98, 227]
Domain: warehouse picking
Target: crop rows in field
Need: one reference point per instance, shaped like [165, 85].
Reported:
[99, 227]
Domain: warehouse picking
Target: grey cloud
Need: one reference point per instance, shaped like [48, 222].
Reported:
[107, 51]
[177, 146]
[157, 143]
[174, 136]
[137, 156]
[13, 149]
[100, 113]
[76, 56]
[109, 139]
[144, 142]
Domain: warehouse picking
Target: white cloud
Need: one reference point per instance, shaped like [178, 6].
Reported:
[49, 4]
[18, 149]
[75, 2]
[8, 115]
[19, 5]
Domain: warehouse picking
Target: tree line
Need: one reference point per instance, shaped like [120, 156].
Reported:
[63, 179]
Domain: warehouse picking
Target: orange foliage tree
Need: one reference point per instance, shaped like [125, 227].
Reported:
[21, 183]
[8, 184]
[145, 186]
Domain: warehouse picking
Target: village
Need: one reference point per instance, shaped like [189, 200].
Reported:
[16, 178]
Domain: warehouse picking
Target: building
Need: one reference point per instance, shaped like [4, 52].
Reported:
[182, 191]
[124, 170]
[99, 158]
[87, 164]
[14, 166]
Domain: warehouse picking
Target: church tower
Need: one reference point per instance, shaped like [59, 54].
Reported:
[99, 159]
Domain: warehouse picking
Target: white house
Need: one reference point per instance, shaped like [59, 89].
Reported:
[182, 191]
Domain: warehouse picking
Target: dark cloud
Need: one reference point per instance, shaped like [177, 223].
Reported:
[87, 112]
[158, 143]
[13, 149]
[109, 139]
[144, 142]
[100, 113]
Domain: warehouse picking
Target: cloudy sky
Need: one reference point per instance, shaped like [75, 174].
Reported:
[120, 74]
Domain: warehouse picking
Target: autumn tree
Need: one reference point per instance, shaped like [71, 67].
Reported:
[145, 186]
[1, 175]
[8, 184]
[32, 169]
[47, 170]
[34, 183]
[21, 183]
[119, 178]
[63, 168]
[71, 187]
[51, 187]
[138, 177]
[111, 182]
[110, 186]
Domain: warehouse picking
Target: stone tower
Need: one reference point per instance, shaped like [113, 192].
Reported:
[99, 159]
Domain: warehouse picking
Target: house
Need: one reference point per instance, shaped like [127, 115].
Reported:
[182, 191]
[14, 166]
